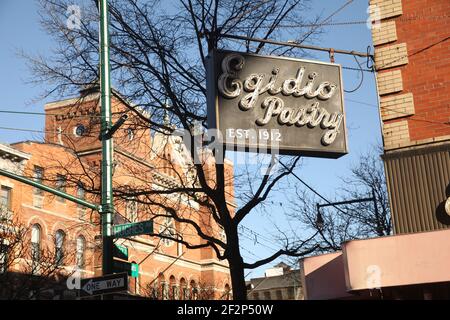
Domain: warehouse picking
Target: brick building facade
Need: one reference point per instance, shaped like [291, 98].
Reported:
[70, 160]
[412, 59]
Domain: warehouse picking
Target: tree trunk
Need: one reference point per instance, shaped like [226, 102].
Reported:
[237, 275]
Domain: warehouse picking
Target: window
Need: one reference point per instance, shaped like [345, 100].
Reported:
[167, 229]
[132, 210]
[173, 288]
[291, 293]
[61, 185]
[266, 295]
[4, 248]
[79, 130]
[175, 295]
[164, 291]
[35, 243]
[5, 203]
[38, 177]
[81, 247]
[255, 296]
[186, 295]
[222, 235]
[59, 247]
[179, 248]
[81, 194]
[130, 133]
[279, 295]
[183, 290]
[194, 291]
[227, 294]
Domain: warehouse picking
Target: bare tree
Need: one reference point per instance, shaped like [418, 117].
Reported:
[158, 54]
[27, 271]
[352, 221]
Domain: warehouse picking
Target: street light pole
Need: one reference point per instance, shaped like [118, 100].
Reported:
[107, 206]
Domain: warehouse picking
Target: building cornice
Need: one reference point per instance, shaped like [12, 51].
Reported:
[13, 154]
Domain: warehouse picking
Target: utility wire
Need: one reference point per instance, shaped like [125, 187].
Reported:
[311, 188]
[412, 118]
[356, 22]
[343, 67]
[331, 16]
[414, 53]
[52, 114]
[42, 131]
[362, 78]
[256, 233]
[258, 242]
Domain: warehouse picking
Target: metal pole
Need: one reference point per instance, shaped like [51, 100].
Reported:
[107, 206]
[344, 202]
[48, 189]
[297, 45]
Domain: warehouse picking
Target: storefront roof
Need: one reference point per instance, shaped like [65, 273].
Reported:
[399, 260]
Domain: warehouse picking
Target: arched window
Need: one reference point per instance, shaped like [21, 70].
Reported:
[4, 250]
[81, 247]
[36, 243]
[132, 209]
[164, 288]
[61, 182]
[194, 291]
[173, 288]
[81, 194]
[227, 293]
[184, 293]
[130, 134]
[59, 247]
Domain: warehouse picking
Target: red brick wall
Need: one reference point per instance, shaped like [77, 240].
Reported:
[423, 28]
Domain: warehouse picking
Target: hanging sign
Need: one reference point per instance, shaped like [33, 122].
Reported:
[269, 104]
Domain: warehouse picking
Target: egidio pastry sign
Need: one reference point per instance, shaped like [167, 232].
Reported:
[295, 106]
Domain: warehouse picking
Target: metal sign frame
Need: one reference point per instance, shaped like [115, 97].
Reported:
[84, 292]
[221, 118]
[128, 229]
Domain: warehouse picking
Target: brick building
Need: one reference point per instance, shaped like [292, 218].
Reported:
[412, 59]
[70, 160]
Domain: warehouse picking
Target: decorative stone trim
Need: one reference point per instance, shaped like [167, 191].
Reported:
[6, 183]
[385, 33]
[388, 8]
[391, 56]
[389, 82]
[395, 134]
[397, 106]
[417, 145]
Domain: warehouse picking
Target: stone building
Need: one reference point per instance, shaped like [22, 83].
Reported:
[278, 283]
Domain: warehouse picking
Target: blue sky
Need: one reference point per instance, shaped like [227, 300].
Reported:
[363, 125]
[20, 29]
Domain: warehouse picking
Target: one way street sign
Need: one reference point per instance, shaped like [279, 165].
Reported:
[101, 285]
